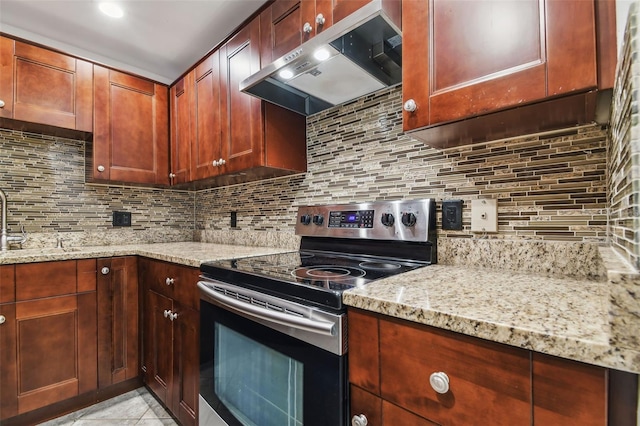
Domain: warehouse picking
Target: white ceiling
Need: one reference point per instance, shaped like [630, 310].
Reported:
[158, 39]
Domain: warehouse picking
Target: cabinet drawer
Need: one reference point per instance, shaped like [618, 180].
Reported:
[174, 281]
[47, 279]
[484, 377]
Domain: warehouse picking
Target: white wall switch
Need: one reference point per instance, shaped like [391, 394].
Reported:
[484, 215]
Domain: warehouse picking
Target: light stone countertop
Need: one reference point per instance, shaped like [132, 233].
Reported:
[560, 316]
[566, 317]
[183, 253]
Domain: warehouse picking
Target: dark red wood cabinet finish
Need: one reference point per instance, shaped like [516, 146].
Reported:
[391, 361]
[45, 87]
[255, 134]
[170, 356]
[131, 129]
[49, 343]
[118, 349]
[471, 59]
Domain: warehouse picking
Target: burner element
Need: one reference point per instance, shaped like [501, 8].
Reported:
[383, 266]
[327, 272]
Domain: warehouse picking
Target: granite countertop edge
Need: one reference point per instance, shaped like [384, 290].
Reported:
[559, 316]
[588, 343]
[191, 254]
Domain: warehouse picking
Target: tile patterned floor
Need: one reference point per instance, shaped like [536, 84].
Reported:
[137, 407]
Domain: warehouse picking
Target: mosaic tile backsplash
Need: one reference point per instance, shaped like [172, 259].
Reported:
[624, 152]
[44, 179]
[548, 187]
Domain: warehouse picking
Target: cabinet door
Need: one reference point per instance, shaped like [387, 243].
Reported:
[484, 377]
[365, 404]
[117, 320]
[181, 130]
[282, 27]
[568, 392]
[158, 345]
[364, 346]
[50, 352]
[489, 55]
[393, 415]
[46, 87]
[186, 360]
[242, 128]
[8, 362]
[7, 47]
[206, 146]
[131, 135]
[7, 284]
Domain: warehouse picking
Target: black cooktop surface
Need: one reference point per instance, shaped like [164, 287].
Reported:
[307, 276]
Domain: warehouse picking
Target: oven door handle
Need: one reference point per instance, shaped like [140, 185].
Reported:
[235, 305]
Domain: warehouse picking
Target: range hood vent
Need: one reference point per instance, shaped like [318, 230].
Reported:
[362, 54]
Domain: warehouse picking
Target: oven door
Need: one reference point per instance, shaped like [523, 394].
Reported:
[253, 374]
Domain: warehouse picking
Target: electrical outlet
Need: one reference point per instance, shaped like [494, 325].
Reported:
[121, 219]
[452, 215]
[484, 215]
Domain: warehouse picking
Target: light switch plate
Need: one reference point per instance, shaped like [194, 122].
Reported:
[484, 215]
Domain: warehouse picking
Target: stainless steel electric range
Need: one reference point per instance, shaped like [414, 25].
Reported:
[273, 328]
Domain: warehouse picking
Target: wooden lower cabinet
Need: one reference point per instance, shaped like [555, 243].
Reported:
[567, 393]
[171, 336]
[118, 350]
[391, 361]
[48, 338]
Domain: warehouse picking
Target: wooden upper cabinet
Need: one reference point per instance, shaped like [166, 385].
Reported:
[45, 87]
[206, 125]
[181, 130]
[242, 125]
[283, 27]
[286, 24]
[256, 135]
[131, 130]
[464, 59]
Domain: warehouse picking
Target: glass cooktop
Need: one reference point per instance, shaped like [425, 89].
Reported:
[307, 276]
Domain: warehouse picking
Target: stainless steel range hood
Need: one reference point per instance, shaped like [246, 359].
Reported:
[363, 54]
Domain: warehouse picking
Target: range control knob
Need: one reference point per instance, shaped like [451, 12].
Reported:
[408, 219]
[305, 219]
[387, 219]
[318, 219]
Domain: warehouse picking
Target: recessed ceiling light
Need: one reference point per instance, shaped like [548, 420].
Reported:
[111, 9]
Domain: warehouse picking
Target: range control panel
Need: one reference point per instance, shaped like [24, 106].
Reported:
[351, 219]
[405, 220]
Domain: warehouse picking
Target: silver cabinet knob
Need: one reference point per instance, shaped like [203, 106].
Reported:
[320, 19]
[173, 316]
[410, 106]
[215, 163]
[359, 420]
[172, 175]
[101, 168]
[167, 313]
[221, 162]
[1, 103]
[104, 270]
[439, 382]
[307, 28]
[2, 319]
[169, 281]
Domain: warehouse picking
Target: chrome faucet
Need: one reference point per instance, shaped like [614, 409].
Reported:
[5, 238]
